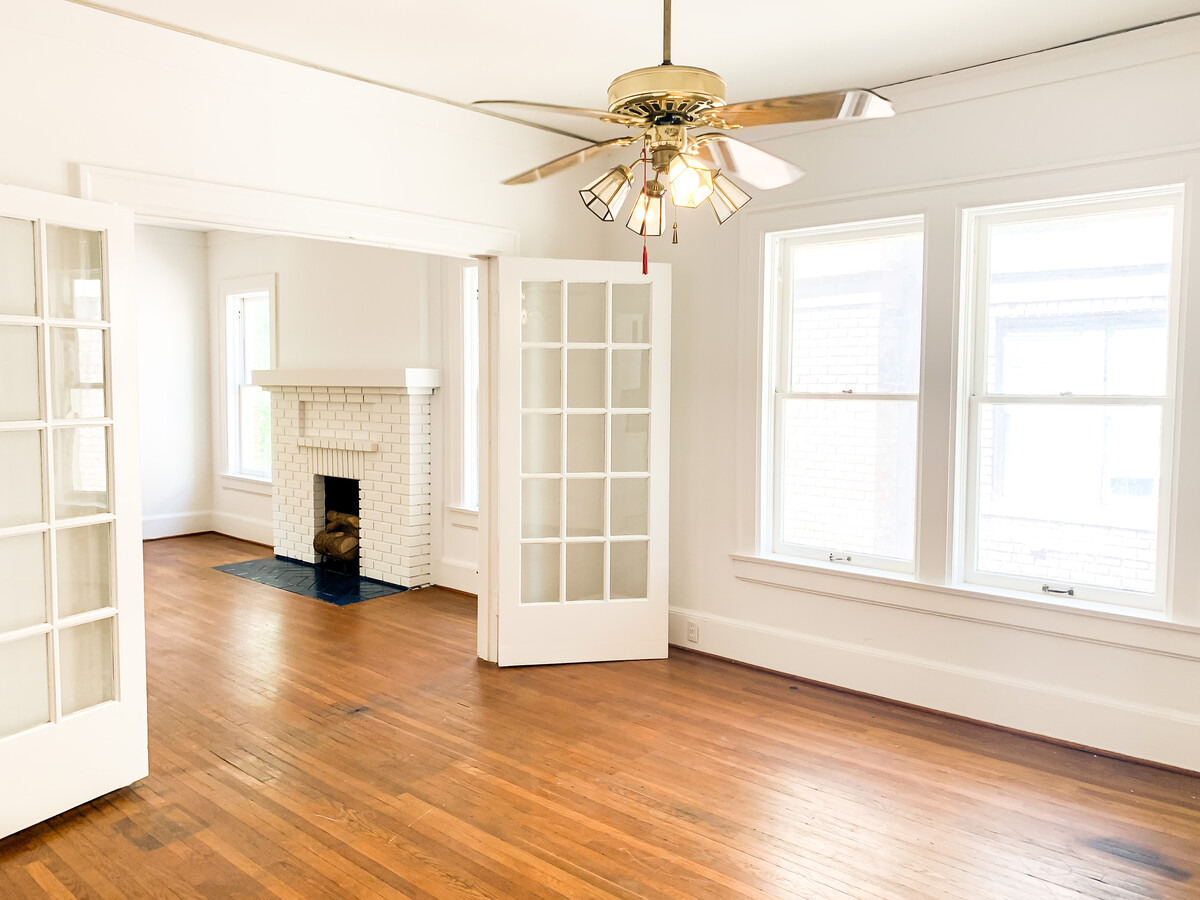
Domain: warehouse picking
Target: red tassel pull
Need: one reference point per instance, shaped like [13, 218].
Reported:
[645, 261]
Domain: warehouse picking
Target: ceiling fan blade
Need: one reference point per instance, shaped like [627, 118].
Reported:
[745, 161]
[571, 159]
[851, 104]
[602, 115]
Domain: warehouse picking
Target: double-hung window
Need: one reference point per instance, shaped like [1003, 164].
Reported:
[249, 327]
[846, 384]
[1071, 323]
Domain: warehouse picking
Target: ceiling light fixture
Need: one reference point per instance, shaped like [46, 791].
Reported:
[606, 194]
[691, 182]
[646, 217]
[662, 103]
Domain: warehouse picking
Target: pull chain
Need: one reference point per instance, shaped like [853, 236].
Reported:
[674, 220]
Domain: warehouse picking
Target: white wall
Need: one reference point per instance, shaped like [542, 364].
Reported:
[173, 358]
[113, 92]
[1113, 682]
[336, 306]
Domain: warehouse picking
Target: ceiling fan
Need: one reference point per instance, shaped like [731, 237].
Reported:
[663, 103]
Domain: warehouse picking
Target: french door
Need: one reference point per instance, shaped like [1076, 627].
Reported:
[72, 644]
[581, 422]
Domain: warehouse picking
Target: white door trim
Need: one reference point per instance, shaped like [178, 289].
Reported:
[76, 757]
[181, 202]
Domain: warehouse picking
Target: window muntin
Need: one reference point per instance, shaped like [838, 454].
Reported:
[1071, 396]
[248, 348]
[846, 392]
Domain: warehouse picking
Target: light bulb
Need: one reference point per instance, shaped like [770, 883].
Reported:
[646, 217]
[691, 182]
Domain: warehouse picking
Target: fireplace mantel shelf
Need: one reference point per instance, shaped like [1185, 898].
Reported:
[412, 379]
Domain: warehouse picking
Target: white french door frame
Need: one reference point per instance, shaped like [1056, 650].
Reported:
[593, 625]
[77, 757]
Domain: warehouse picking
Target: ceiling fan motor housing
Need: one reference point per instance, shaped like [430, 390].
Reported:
[666, 91]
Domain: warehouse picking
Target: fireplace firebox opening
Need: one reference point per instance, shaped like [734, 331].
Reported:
[337, 545]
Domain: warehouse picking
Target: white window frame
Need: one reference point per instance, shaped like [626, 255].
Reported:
[777, 345]
[231, 293]
[973, 340]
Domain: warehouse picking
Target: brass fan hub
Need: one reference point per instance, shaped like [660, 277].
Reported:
[666, 90]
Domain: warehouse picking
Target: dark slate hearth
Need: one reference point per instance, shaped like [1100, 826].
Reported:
[310, 581]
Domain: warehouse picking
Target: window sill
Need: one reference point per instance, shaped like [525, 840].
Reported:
[1125, 628]
[245, 483]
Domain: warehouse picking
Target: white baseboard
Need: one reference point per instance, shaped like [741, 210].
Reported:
[1117, 726]
[172, 524]
[457, 575]
[261, 531]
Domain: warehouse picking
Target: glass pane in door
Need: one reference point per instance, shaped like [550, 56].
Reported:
[77, 373]
[541, 378]
[81, 471]
[585, 507]
[585, 313]
[631, 379]
[585, 571]
[540, 573]
[631, 443]
[84, 564]
[20, 478]
[20, 400]
[585, 443]
[630, 506]
[541, 444]
[540, 505]
[25, 675]
[631, 313]
[627, 573]
[23, 562]
[86, 665]
[18, 285]
[75, 264]
[541, 312]
[585, 379]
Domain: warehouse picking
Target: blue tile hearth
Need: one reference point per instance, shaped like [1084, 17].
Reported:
[310, 581]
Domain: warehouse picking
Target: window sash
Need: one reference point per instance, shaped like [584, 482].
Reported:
[238, 379]
[829, 553]
[977, 229]
[780, 274]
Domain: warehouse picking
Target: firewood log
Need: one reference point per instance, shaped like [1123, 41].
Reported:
[341, 521]
[337, 544]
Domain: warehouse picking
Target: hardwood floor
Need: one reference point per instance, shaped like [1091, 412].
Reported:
[301, 750]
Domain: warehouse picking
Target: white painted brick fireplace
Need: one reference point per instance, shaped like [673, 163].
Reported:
[372, 426]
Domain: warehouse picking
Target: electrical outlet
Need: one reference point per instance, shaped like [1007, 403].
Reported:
[693, 633]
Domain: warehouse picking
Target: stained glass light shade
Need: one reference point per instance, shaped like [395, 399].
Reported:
[646, 217]
[607, 194]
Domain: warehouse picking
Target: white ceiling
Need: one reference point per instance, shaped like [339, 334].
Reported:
[568, 51]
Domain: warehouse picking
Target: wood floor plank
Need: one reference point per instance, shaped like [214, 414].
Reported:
[301, 750]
